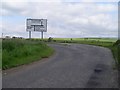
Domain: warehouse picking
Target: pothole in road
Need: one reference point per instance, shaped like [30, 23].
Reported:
[98, 75]
[97, 70]
[100, 68]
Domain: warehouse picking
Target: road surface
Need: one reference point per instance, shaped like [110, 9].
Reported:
[72, 66]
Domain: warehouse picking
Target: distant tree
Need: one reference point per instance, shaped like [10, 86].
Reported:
[85, 38]
[50, 39]
[13, 37]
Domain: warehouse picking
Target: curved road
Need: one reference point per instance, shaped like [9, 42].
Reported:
[72, 66]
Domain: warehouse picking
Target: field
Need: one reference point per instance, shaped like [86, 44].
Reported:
[86, 39]
[16, 52]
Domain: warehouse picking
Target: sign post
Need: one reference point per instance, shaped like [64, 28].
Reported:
[42, 35]
[39, 25]
[29, 34]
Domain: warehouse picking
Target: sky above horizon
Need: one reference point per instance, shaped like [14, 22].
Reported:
[66, 18]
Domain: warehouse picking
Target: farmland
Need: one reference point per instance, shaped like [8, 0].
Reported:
[86, 39]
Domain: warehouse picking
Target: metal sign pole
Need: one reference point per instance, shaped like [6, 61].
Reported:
[29, 34]
[42, 35]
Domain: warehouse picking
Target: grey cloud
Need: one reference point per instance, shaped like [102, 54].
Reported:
[67, 19]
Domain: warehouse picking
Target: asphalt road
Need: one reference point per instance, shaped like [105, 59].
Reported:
[72, 66]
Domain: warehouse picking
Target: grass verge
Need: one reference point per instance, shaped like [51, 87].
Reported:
[17, 52]
[0, 53]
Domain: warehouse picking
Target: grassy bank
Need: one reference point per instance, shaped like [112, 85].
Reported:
[16, 52]
[0, 53]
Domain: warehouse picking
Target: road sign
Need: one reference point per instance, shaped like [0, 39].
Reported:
[39, 25]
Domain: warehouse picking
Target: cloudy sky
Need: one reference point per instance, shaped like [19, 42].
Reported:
[66, 18]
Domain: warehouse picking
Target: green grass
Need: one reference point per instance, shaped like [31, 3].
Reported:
[87, 39]
[17, 52]
[0, 54]
[116, 50]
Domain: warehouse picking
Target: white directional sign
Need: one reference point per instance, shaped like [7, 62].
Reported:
[39, 25]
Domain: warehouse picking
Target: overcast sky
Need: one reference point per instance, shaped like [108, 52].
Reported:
[66, 18]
